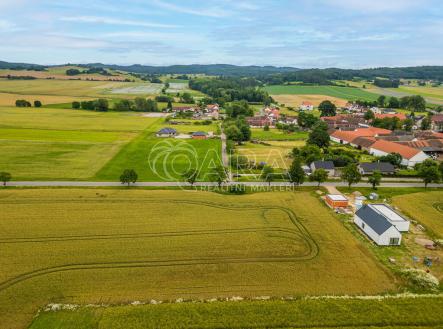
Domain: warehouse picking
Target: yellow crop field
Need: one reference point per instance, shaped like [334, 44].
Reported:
[427, 208]
[118, 245]
[276, 154]
[7, 99]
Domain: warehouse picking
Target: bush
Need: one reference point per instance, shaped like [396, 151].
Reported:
[237, 189]
[76, 105]
[22, 103]
[421, 279]
[163, 98]
[37, 104]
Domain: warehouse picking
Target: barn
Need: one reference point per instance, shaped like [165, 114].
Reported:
[381, 223]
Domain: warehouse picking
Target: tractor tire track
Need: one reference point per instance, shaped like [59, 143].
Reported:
[300, 234]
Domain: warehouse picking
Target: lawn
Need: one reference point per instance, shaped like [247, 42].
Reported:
[426, 208]
[163, 159]
[275, 155]
[51, 144]
[117, 245]
[277, 135]
[346, 93]
[419, 313]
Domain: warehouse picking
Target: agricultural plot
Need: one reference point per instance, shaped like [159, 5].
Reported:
[112, 246]
[427, 208]
[277, 135]
[43, 144]
[140, 89]
[345, 93]
[353, 313]
[276, 154]
[59, 73]
[296, 100]
[177, 87]
[7, 99]
[74, 88]
[164, 159]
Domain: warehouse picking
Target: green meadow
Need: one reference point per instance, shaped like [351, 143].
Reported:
[57, 144]
[347, 93]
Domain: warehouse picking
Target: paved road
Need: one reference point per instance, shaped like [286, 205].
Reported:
[182, 184]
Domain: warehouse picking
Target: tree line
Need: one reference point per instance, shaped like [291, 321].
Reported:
[224, 90]
[139, 104]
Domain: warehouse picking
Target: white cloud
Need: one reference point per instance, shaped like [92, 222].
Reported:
[113, 21]
[208, 12]
[376, 5]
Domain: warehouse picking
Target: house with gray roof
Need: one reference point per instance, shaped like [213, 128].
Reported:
[381, 223]
[167, 132]
[367, 168]
[326, 165]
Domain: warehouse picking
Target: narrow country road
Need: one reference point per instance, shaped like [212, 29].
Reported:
[202, 184]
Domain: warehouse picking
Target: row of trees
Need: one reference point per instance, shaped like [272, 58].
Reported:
[139, 104]
[224, 90]
[25, 103]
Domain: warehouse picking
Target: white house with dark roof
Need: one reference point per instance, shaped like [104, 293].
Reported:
[326, 165]
[381, 223]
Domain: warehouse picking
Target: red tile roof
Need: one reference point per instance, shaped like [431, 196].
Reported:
[306, 103]
[349, 136]
[437, 118]
[401, 116]
[390, 147]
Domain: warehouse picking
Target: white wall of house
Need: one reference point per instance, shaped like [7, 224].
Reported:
[418, 158]
[381, 240]
[338, 140]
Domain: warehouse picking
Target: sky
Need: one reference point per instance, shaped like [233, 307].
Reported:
[297, 33]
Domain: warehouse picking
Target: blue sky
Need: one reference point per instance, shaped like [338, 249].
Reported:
[299, 33]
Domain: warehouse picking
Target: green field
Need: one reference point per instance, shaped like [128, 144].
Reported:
[47, 144]
[277, 135]
[117, 245]
[346, 93]
[388, 313]
[157, 159]
[51, 144]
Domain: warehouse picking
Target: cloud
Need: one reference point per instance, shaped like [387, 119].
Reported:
[6, 26]
[208, 12]
[376, 5]
[113, 21]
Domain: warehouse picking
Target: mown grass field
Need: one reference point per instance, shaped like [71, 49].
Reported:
[427, 208]
[47, 144]
[277, 135]
[163, 159]
[346, 93]
[425, 91]
[419, 313]
[117, 246]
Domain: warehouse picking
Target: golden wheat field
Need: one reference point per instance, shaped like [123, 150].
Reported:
[117, 245]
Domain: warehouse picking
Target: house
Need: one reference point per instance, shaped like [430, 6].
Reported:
[183, 109]
[381, 223]
[364, 143]
[400, 116]
[437, 123]
[410, 156]
[306, 106]
[336, 201]
[199, 135]
[273, 113]
[212, 111]
[167, 132]
[375, 110]
[326, 165]
[289, 120]
[259, 121]
[367, 168]
[348, 137]
[348, 122]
